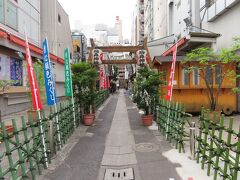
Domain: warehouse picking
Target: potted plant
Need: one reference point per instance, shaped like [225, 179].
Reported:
[84, 81]
[146, 92]
[208, 62]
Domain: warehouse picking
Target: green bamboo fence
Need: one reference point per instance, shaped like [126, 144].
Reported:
[22, 152]
[101, 97]
[171, 120]
[218, 147]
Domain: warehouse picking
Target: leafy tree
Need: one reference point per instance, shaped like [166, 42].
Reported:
[84, 78]
[146, 89]
[207, 61]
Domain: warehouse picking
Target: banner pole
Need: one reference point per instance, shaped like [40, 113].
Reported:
[36, 100]
[74, 115]
[171, 89]
[57, 122]
[43, 139]
[50, 86]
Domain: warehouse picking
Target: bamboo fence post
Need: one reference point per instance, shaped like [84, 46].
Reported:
[218, 151]
[226, 159]
[29, 153]
[206, 124]
[236, 165]
[19, 150]
[12, 168]
[211, 150]
[199, 138]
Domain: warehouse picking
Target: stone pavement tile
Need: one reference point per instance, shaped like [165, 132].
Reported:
[127, 149]
[120, 140]
[119, 159]
[152, 171]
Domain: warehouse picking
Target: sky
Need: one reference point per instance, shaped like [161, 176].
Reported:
[100, 11]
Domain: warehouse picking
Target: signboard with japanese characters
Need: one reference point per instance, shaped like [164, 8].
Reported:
[48, 76]
[68, 80]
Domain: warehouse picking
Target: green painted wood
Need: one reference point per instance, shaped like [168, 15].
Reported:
[12, 167]
[236, 164]
[19, 150]
[29, 156]
[199, 138]
[205, 136]
[211, 150]
[218, 150]
[226, 159]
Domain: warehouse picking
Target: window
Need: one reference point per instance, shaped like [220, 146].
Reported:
[218, 74]
[210, 2]
[59, 18]
[1, 11]
[185, 76]
[196, 77]
[208, 75]
[11, 16]
[16, 71]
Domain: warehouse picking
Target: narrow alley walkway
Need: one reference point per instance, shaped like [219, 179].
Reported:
[116, 145]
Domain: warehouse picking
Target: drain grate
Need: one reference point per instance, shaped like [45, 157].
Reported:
[119, 174]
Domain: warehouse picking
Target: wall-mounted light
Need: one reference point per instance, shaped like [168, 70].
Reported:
[20, 54]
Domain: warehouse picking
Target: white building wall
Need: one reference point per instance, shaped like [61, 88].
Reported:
[16, 17]
[227, 25]
[180, 12]
[160, 19]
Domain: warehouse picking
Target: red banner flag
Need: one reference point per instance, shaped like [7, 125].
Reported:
[108, 82]
[105, 82]
[36, 100]
[101, 77]
[170, 82]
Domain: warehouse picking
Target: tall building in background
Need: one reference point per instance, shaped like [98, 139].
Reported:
[138, 23]
[104, 35]
[118, 28]
[79, 41]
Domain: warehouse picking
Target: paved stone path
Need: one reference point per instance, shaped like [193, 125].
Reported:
[116, 146]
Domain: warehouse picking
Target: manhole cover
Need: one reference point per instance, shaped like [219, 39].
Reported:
[116, 174]
[146, 147]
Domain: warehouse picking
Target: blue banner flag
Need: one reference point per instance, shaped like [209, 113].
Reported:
[48, 76]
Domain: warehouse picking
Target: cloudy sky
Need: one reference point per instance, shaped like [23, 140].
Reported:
[100, 11]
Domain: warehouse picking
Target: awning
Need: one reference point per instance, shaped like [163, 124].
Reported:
[186, 44]
[192, 41]
[20, 42]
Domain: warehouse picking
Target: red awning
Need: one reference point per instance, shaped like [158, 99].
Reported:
[20, 42]
[3, 34]
[180, 43]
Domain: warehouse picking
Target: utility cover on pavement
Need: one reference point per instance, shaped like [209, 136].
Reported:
[117, 174]
[146, 147]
